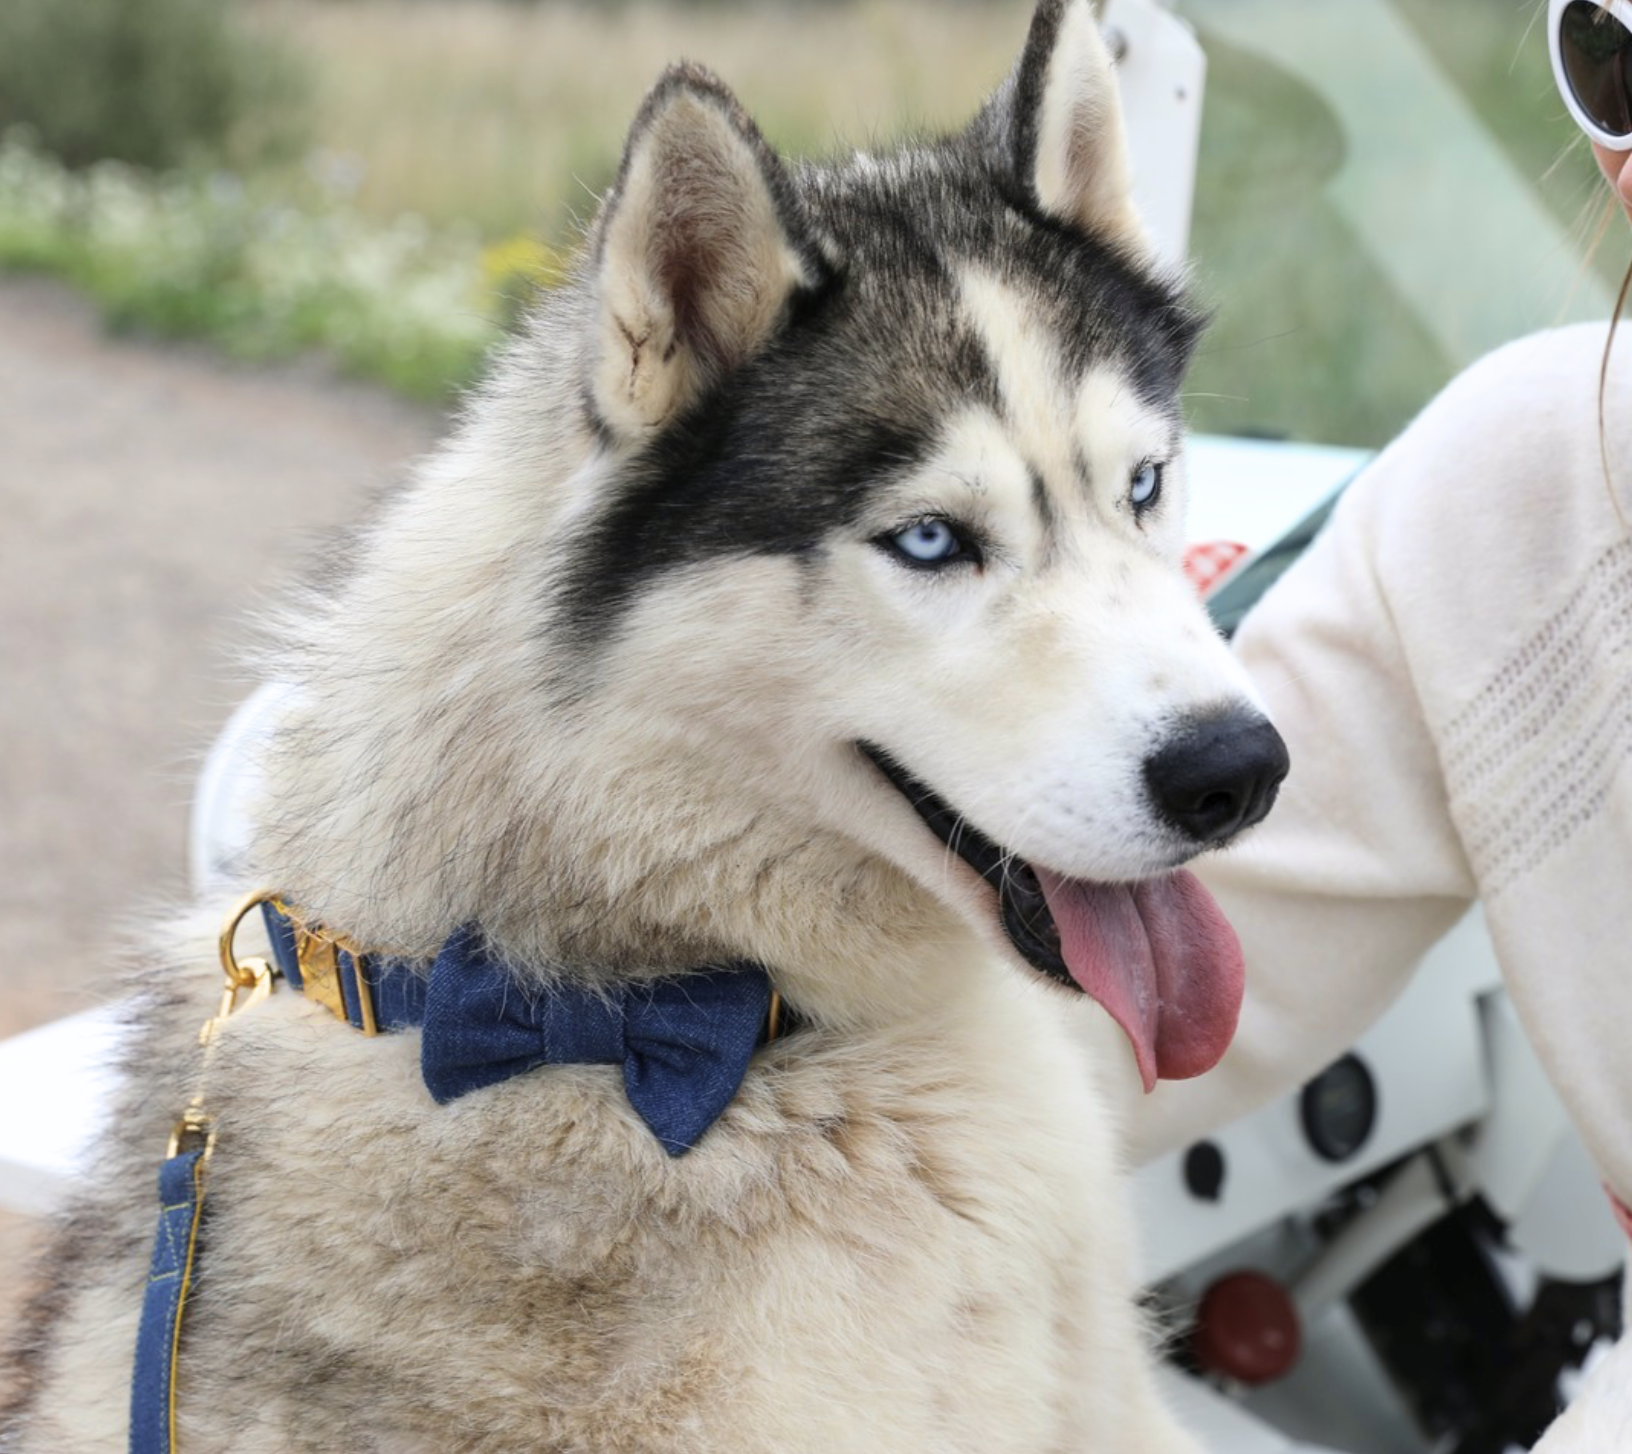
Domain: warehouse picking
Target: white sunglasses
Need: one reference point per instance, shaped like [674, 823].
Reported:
[1591, 45]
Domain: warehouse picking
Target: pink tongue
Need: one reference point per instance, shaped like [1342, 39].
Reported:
[1162, 958]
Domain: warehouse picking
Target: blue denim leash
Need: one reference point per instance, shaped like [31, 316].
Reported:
[153, 1387]
[182, 1178]
[683, 1043]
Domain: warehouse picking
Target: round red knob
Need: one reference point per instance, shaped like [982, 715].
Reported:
[1247, 1329]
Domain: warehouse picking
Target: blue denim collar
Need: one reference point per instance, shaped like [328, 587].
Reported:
[684, 1042]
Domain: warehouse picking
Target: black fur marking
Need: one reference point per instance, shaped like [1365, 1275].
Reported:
[1085, 472]
[1026, 99]
[594, 421]
[1041, 500]
[709, 487]
[1025, 913]
[759, 466]
[857, 383]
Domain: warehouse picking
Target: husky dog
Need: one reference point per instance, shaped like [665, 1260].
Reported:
[801, 592]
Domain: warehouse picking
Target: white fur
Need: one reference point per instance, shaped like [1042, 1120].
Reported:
[902, 1239]
[904, 1234]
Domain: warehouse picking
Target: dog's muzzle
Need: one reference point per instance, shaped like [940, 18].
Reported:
[1158, 953]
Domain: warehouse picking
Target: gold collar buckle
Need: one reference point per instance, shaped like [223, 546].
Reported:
[324, 957]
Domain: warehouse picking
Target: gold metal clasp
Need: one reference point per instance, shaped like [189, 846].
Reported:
[195, 1130]
[318, 954]
[235, 997]
[245, 975]
[248, 981]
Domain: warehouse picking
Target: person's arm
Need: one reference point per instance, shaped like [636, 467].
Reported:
[1599, 1418]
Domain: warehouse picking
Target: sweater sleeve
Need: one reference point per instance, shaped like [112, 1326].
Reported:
[1600, 1416]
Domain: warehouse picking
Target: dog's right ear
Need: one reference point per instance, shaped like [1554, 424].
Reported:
[1055, 127]
[698, 250]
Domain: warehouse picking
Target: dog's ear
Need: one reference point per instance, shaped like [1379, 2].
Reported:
[699, 248]
[1056, 126]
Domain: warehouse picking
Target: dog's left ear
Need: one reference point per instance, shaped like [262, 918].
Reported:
[1056, 126]
[699, 249]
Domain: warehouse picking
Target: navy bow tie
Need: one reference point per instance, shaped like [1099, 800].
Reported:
[684, 1043]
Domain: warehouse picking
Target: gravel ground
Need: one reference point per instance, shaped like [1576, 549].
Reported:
[151, 496]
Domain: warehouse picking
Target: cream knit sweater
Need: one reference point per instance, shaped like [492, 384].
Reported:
[1451, 666]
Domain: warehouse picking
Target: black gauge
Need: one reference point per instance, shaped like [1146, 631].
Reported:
[1339, 1109]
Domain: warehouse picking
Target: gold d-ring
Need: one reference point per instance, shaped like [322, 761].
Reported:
[242, 976]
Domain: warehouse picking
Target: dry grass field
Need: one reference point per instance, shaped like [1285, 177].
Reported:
[510, 116]
[506, 116]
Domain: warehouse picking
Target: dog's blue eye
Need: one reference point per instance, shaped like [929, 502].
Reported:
[1146, 487]
[928, 542]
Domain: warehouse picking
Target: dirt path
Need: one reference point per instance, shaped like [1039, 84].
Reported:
[150, 496]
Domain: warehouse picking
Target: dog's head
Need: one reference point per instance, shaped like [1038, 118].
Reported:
[934, 397]
[866, 537]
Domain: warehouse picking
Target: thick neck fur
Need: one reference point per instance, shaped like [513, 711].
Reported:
[439, 766]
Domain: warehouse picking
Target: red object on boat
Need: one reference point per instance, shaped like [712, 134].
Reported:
[1247, 1329]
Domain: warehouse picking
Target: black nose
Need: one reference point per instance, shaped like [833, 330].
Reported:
[1217, 774]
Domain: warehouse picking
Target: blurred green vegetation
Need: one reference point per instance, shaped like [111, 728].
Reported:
[312, 173]
[1495, 52]
[157, 83]
[511, 116]
[202, 256]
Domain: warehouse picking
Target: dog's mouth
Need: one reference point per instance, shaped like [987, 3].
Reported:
[1158, 954]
